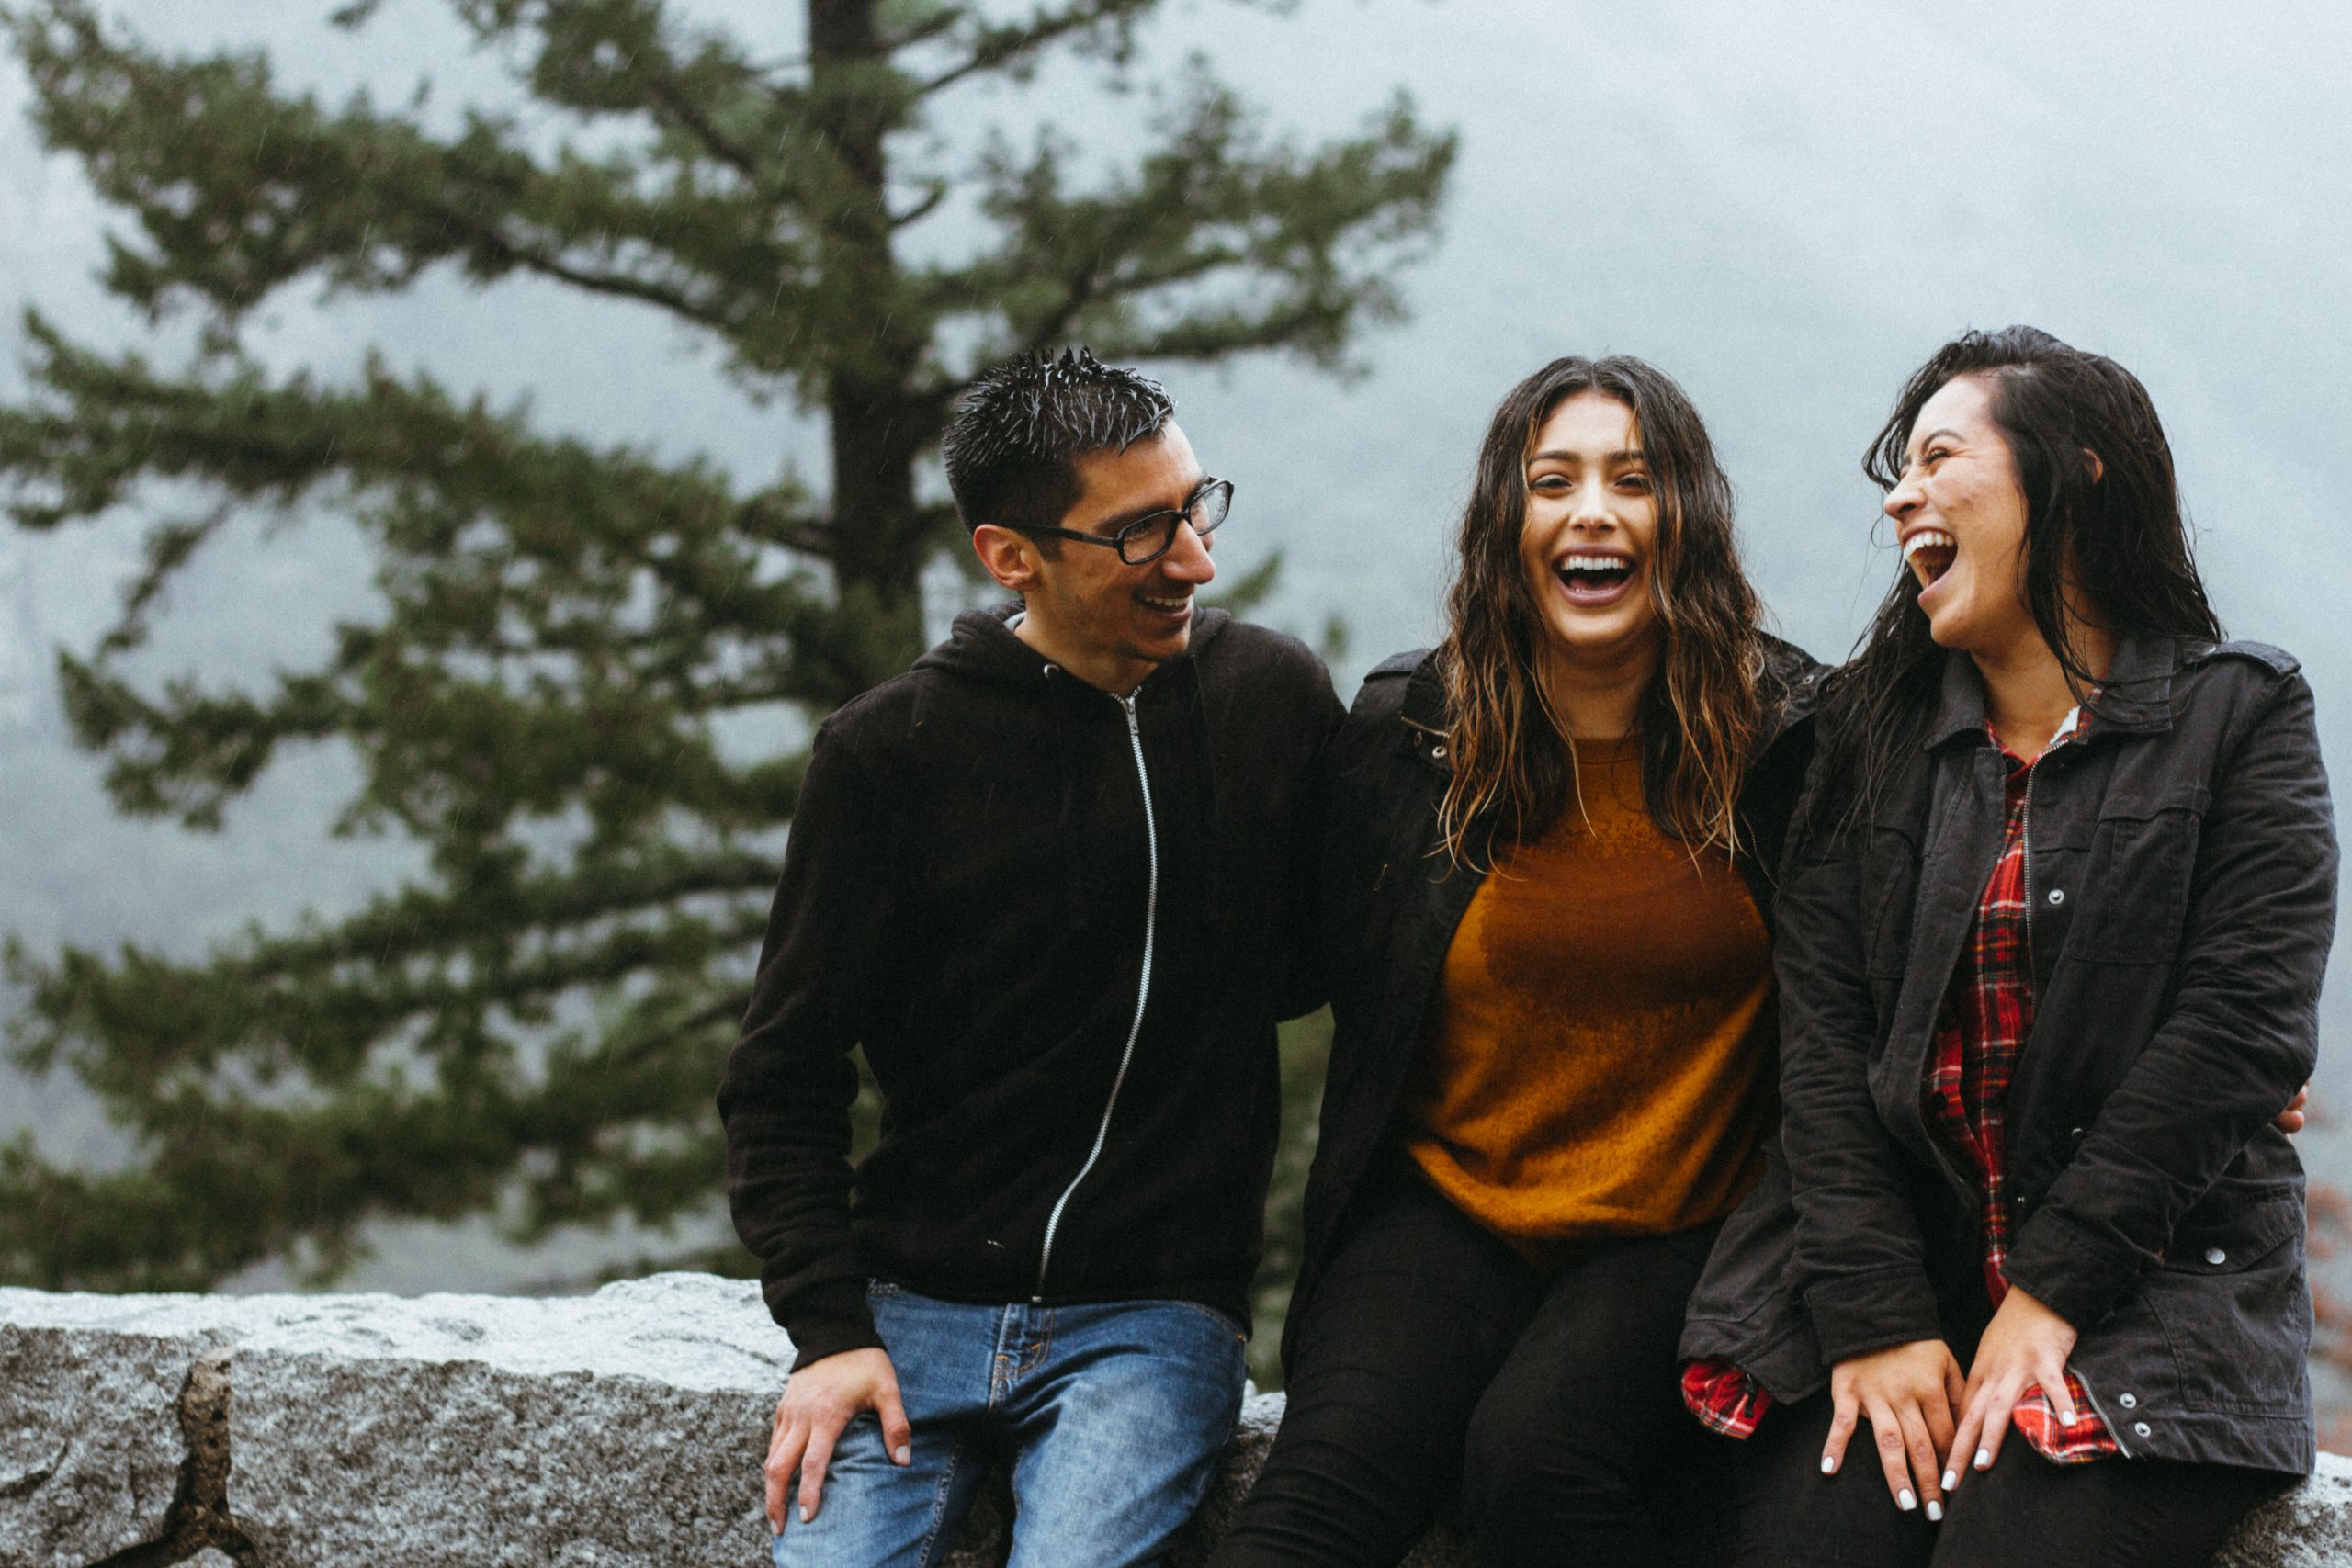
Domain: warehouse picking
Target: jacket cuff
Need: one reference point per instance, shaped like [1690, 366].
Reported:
[1856, 1313]
[2072, 1270]
[825, 1320]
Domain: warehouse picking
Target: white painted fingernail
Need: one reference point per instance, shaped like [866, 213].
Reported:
[804, 1513]
[1829, 1465]
[1935, 1512]
[1952, 1479]
[1984, 1458]
[903, 1454]
[1904, 1501]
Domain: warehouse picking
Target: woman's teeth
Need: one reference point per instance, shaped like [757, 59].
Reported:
[1930, 552]
[1595, 571]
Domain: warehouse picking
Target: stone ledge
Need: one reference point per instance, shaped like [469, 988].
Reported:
[624, 1428]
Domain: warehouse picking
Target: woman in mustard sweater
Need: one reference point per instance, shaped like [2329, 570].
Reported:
[1547, 931]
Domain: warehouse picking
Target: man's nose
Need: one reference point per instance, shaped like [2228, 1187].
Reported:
[1187, 560]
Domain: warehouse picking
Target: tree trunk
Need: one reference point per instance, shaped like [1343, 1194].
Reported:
[878, 431]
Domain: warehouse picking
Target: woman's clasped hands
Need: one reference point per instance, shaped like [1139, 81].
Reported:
[1924, 1415]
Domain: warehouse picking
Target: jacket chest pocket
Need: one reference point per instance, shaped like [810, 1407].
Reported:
[2135, 888]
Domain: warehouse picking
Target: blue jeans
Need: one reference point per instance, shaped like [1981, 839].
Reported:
[1113, 1416]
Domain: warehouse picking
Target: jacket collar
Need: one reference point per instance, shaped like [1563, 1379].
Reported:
[2134, 699]
[1424, 706]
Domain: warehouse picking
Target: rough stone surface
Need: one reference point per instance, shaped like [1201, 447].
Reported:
[2309, 1527]
[92, 1447]
[624, 1428]
[492, 1432]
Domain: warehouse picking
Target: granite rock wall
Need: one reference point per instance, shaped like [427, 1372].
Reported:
[624, 1428]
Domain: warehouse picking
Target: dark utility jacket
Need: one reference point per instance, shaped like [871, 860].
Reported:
[1068, 1004]
[2180, 888]
[1392, 899]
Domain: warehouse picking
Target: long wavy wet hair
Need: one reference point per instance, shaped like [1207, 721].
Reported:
[1514, 771]
[2109, 527]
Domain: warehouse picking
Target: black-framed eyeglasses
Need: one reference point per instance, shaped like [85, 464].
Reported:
[1149, 537]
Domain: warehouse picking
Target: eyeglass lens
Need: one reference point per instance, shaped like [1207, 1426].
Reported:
[1149, 538]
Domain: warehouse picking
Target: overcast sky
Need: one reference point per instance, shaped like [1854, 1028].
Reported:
[1786, 207]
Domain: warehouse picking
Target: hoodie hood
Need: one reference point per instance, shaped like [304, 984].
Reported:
[982, 645]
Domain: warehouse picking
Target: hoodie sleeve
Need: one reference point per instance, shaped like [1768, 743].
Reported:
[785, 1096]
[1305, 984]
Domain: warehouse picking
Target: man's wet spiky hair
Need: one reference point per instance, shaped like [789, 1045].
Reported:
[1011, 445]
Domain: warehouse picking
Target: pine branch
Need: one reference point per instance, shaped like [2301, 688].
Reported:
[1000, 47]
[239, 190]
[1217, 244]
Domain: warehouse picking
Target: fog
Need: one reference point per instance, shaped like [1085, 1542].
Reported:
[1787, 207]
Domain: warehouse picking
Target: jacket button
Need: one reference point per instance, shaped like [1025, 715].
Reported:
[2129, 1401]
[2215, 1255]
[2140, 1427]
[2057, 895]
[1437, 750]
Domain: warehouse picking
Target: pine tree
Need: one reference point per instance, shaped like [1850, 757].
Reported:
[533, 1026]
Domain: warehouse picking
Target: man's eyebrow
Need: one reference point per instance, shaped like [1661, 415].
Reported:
[1117, 520]
[1631, 455]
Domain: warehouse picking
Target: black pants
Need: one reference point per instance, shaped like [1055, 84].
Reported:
[2112, 1513]
[1434, 1357]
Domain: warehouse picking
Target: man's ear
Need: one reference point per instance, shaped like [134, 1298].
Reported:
[1008, 554]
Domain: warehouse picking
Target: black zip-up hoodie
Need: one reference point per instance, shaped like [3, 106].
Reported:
[967, 892]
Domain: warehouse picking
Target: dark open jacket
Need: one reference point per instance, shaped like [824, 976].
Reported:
[1391, 899]
[968, 894]
[2180, 886]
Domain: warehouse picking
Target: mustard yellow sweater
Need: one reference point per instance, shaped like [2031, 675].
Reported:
[1588, 1069]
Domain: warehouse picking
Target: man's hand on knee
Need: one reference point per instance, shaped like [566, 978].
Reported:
[819, 1401]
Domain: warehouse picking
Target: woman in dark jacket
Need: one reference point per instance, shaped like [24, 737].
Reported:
[2050, 946]
[1551, 1066]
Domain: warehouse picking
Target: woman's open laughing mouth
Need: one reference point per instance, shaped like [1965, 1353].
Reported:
[1930, 553]
[1593, 579]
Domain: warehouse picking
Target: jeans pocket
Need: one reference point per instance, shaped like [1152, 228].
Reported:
[1222, 1318]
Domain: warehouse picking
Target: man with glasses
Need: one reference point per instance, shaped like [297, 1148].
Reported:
[1056, 882]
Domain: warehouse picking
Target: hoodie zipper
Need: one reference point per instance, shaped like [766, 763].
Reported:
[1143, 993]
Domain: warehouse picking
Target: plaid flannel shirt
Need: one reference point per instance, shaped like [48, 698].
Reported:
[1987, 1014]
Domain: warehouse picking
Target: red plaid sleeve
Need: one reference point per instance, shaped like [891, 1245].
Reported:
[2079, 1441]
[1724, 1398]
